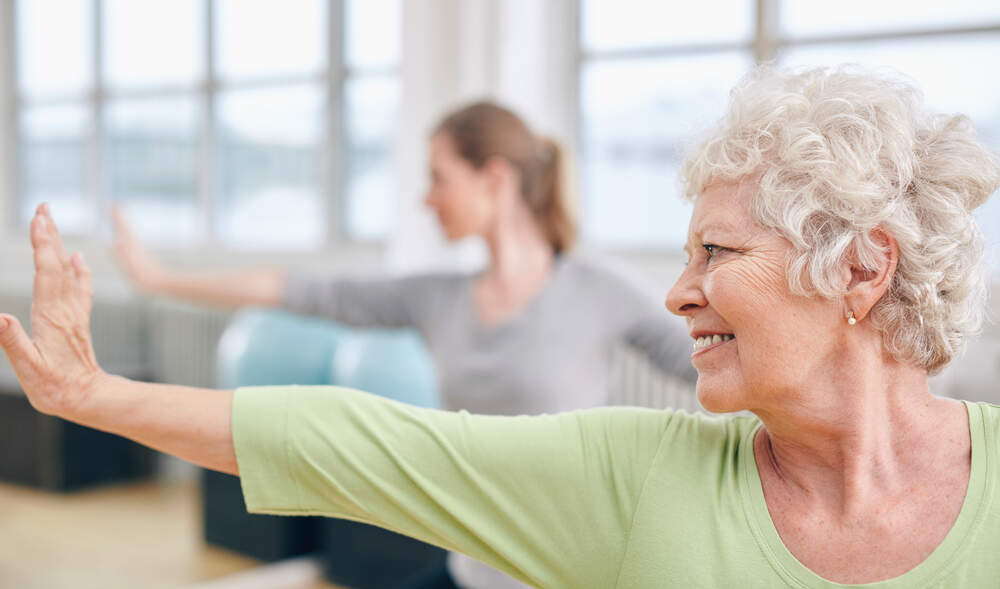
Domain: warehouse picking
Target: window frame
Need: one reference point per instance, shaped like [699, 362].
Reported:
[333, 80]
[766, 43]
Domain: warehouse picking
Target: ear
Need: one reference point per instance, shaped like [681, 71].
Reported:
[866, 286]
[501, 176]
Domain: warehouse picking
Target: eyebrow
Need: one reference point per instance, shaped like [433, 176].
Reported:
[713, 225]
[718, 226]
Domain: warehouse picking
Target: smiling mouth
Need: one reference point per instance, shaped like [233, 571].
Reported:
[708, 341]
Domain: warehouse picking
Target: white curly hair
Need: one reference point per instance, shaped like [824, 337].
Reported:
[839, 152]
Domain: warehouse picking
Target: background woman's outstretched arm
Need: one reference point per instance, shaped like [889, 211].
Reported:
[262, 287]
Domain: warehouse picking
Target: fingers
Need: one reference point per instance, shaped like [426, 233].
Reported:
[50, 273]
[56, 274]
[17, 345]
[52, 233]
[123, 231]
[125, 244]
[46, 254]
[84, 280]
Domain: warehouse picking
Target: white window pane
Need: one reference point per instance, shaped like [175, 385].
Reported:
[951, 71]
[623, 24]
[153, 42]
[54, 46]
[638, 117]
[151, 155]
[953, 74]
[262, 38]
[802, 18]
[52, 165]
[372, 107]
[373, 32]
[267, 168]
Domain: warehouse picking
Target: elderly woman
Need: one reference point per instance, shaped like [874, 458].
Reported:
[834, 264]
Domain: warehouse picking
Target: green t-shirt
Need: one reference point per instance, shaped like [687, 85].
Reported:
[610, 497]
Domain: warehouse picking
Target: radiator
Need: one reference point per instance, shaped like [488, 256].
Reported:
[182, 342]
[634, 380]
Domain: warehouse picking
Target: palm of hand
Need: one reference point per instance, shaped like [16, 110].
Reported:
[57, 367]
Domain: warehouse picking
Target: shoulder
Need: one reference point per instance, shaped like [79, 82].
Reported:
[674, 431]
[602, 273]
[704, 449]
[437, 280]
[709, 432]
[990, 415]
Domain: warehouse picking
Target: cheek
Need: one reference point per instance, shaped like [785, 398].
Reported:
[448, 201]
[754, 301]
[740, 294]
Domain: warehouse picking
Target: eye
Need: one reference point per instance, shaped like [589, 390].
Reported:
[711, 249]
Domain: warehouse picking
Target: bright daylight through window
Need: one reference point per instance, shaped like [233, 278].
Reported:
[652, 74]
[248, 123]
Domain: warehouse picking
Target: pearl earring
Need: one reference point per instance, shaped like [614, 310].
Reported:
[850, 319]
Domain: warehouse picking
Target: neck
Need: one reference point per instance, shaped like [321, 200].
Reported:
[520, 253]
[859, 436]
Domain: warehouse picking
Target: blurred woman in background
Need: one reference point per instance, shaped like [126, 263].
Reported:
[532, 333]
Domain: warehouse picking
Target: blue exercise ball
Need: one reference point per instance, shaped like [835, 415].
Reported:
[266, 347]
[390, 363]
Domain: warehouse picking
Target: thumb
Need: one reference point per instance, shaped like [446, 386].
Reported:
[15, 342]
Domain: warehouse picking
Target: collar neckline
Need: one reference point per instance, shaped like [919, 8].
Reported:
[927, 572]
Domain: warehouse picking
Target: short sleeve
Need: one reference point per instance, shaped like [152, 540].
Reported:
[548, 500]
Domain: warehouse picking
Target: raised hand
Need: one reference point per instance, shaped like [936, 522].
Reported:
[56, 367]
[145, 272]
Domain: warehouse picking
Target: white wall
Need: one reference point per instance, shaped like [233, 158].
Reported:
[444, 64]
[519, 52]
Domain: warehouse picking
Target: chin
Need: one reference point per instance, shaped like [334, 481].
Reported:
[718, 398]
[452, 233]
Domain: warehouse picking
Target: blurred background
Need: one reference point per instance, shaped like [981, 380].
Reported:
[294, 132]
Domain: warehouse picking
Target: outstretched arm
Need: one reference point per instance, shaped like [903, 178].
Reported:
[548, 499]
[262, 287]
[59, 373]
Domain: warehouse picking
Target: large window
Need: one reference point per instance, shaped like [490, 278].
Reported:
[253, 124]
[653, 74]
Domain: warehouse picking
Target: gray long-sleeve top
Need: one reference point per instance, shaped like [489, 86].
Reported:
[552, 356]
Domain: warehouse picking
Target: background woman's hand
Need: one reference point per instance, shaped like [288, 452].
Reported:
[57, 367]
[144, 271]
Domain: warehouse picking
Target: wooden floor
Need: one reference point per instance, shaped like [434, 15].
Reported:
[141, 535]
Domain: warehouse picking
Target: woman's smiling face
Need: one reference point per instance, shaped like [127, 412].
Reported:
[771, 342]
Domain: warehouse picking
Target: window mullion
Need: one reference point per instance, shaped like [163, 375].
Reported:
[766, 31]
[333, 182]
[94, 174]
[207, 148]
[575, 38]
[9, 167]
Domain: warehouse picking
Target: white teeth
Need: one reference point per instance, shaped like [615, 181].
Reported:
[709, 340]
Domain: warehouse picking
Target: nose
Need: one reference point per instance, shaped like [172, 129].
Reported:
[686, 295]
